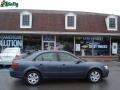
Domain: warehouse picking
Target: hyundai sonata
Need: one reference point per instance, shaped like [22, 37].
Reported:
[56, 65]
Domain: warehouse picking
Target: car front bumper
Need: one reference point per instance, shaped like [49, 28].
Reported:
[105, 73]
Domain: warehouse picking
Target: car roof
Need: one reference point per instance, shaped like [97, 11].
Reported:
[42, 51]
[45, 51]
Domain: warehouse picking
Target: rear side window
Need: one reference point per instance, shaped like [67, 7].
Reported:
[38, 58]
[49, 56]
[31, 56]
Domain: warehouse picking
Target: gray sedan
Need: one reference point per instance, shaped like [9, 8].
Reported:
[56, 65]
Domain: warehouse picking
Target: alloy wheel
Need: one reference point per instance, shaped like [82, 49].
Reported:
[33, 78]
[94, 76]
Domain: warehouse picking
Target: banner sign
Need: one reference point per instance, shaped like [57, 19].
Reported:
[114, 48]
[98, 46]
[11, 40]
[77, 47]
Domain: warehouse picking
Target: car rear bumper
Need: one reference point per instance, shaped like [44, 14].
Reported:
[15, 74]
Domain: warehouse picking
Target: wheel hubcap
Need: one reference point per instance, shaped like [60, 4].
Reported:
[95, 76]
[33, 78]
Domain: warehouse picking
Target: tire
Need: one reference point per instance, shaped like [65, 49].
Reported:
[1, 66]
[94, 76]
[32, 78]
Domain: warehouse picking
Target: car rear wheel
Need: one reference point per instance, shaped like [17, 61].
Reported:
[32, 78]
[94, 76]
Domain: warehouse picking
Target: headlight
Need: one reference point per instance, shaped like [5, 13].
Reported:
[106, 67]
[0, 58]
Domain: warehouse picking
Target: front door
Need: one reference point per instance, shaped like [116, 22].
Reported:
[48, 42]
[48, 45]
[69, 66]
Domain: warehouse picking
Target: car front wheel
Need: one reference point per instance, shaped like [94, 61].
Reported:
[32, 78]
[94, 76]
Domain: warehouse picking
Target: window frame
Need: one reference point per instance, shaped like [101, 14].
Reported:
[66, 21]
[108, 23]
[30, 19]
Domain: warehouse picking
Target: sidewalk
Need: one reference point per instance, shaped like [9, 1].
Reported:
[100, 58]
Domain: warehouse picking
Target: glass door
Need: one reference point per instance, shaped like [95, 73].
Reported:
[48, 42]
[48, 45]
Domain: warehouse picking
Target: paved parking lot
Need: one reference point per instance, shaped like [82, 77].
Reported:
[110, 83]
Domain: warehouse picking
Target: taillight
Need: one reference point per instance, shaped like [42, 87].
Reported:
[16, 57]
[14, 65]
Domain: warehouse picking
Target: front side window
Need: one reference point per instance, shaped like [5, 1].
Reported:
[67, 57]
[25, 20]
[70, 21]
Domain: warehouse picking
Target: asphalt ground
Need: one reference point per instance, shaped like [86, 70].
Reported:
[110, 83]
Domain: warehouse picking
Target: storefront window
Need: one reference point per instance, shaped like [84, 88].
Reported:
[85, 44]
[11, 40]
[31, 43]
[93, 45]
[101, 45]
[65, 43]
[48, 38]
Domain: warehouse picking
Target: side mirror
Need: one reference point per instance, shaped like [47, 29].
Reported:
[77, 62]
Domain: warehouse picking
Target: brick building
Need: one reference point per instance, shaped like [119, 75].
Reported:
[82, 33]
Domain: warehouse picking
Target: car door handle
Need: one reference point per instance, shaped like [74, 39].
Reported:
[63, 64]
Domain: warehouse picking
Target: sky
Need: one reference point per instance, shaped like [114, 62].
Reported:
[98, 6]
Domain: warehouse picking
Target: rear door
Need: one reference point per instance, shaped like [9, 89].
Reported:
[48, 64]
